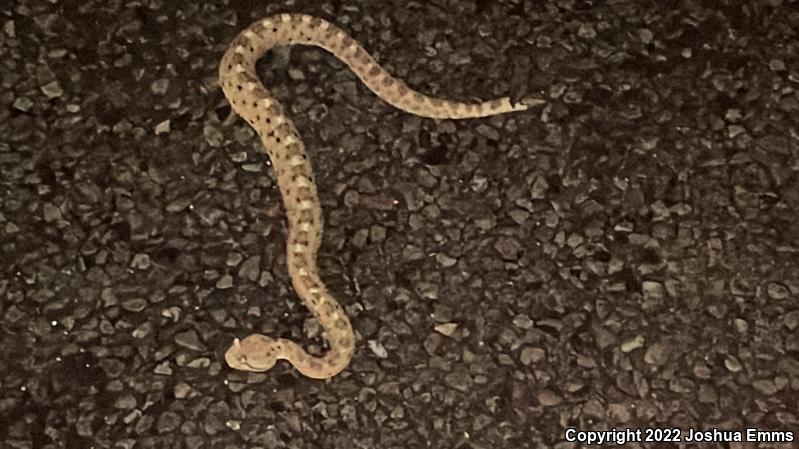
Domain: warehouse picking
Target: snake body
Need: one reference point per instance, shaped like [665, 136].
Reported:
[253, 102]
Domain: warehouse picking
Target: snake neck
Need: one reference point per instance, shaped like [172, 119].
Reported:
[332, 363]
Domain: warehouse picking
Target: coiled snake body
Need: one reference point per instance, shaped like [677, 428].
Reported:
[253, 102]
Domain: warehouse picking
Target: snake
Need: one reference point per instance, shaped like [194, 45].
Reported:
[253, 102]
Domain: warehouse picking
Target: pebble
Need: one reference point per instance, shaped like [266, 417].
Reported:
[23, 104]
[53, 89]
[378, 349]
[134, 304]
[632, 344]
[225, 282]
[657, 354]
[653, 290]
[446, 329]
[189, 339]
[531, 355]
[445, 261]
[508, 247]
[777, 291]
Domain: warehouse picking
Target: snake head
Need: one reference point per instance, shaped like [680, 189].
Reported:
[256, 353]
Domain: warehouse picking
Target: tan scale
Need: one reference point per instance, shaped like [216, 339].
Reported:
[250, 99]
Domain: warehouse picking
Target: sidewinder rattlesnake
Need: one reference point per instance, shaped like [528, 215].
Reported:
[250, 99]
